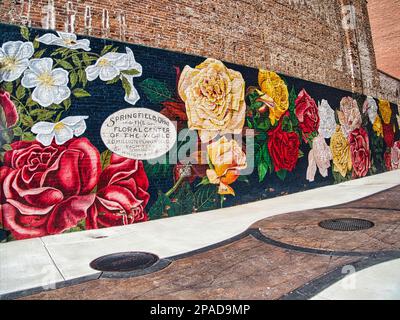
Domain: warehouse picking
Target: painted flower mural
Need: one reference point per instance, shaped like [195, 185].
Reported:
[273, 87]
[14, 57]
[8, 110]
[388, 160]
[388, 134]
[320, 157]
[65, 39]
[122, 194]
[59, 182]
[48, 189]
[51, 85]
[190, 171]
[349, 115]
[398, 116]
[108, 67]
[284, 148]
[360, 152]
[385, 110]
[114, 65]
[57, 175]
[62, 131]
[377, 126]
[214, 99]
[371, 108]
[327, 123]
[307, 114]
[341, 155]
[227, 159]
[395, 156]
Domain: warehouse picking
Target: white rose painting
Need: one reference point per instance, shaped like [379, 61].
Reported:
[50, 85]
[61, 131]
[14, 59]
[64, 39]
[113, 65]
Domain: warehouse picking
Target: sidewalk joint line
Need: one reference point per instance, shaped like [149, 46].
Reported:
[52, 260]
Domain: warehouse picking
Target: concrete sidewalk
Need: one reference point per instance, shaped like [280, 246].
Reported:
[379, 282]
[44, 261]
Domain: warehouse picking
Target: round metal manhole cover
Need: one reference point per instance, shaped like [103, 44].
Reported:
[346, 224]
[124, 262]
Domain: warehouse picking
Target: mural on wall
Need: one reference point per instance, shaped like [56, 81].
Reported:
[93, 133]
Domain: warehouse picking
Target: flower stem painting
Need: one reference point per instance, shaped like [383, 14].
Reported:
[243, 134]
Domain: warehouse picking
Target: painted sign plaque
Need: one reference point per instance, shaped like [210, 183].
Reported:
[138, 133]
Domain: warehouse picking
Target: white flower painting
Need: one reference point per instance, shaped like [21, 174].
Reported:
[14, 59]
[62, 131]
[114, 64]
[327, 124]
[51, 85]
[371, 108]
[66, 40]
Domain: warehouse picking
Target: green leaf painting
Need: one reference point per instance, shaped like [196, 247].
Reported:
[183, 200]
[157, 170]
[80, 93]
[282, 174]
[25, 33]
[132, 72]
[163, 207]
[155, 90]
[126, 85]
[105, 158]
[65, 64]
[206, 198]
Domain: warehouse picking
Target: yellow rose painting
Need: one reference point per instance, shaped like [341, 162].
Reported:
[214, 97]
[340, 152]
[227, 159]
[273, 86]
[385, 110]
[377, 126]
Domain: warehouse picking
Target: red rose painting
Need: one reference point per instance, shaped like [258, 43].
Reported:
[388, 160]
[284, 148]
[360, 152]
[121, 194]
[47, 189]
[388, 134]
[307, 114]
[8, 109]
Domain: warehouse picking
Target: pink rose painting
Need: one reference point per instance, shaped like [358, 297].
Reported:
[320, 157]
[349, 115]
[395, 156]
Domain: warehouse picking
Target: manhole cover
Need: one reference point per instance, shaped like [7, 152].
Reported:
[346, 224]
[124, 262]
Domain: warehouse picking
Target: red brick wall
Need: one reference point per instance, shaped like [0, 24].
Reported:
[385, 26]
[302, 38]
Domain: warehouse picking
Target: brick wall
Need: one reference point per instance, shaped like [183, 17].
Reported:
[389, 87]
[385, 26]
[303, 38]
